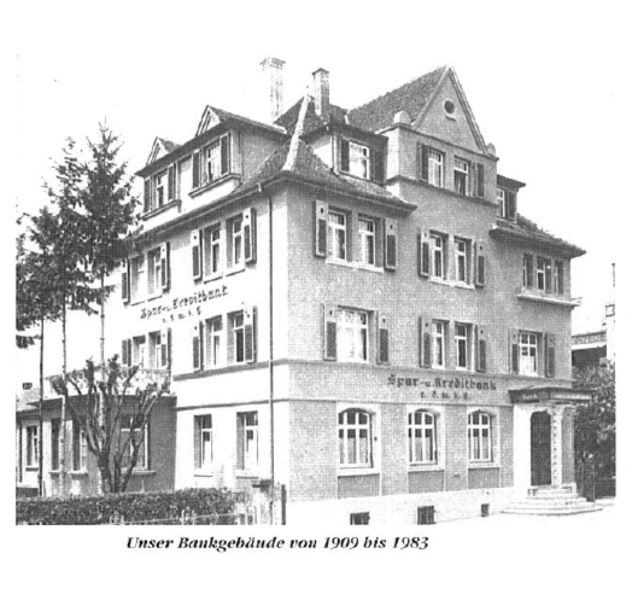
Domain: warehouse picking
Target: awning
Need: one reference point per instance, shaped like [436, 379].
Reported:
[557, 395]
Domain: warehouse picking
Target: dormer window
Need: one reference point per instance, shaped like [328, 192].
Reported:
[159, 190]
[500, 200]
[212, 162]
[461, 176]
[355, 159]
[506, 202]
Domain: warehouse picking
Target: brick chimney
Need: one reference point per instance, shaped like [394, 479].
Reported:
[272, 69]
[321, 92]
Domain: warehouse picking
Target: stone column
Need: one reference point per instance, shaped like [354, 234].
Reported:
[557, 414]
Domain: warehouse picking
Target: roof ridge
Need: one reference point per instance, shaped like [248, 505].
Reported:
[290, 161]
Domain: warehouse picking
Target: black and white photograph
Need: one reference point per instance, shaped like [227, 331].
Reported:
[284, 269]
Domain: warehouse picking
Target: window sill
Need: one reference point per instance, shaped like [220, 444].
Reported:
[420, 468]
[234, 270]
[451, 283]
[482, 465]
[154, 297]
[213, 277]
[82, 473]
[200, 473]
[536, 296]
[211, 184]
[354, 266]
[246, 474]
[160, 210]
[31, 468]
[355, 471]
[143, 472]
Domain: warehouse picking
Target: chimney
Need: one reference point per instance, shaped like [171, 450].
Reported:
[321, 92]
[272, 69]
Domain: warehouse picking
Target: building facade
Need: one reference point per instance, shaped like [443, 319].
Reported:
[357, 320]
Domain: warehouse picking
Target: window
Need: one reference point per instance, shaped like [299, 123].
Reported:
[54, 444]
[355, 159]
[528, 353]
[237, 329]
[337, 235]
[500, 199]
[138, 351]
[214, 342]
[354, 438]
[527, 270]
[129, 427]
[461, 176]
[79, 448]
[544, 274]
[235, 242]
[367, 240]
[353, 335]
[463, 343]
[462, 252]
[435, 167]
[137, 278]
[425, 515]
[437, 248]
[559, 277]
[204, 441]
[438, 343]
[212, 250]
[248, 439]
[479, 436]
[359, 518]
[213, 161]
[154, 268]
[32, 446]
[422, 437]
[155, 347]
[159, 190]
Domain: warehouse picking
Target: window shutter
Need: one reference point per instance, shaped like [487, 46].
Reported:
[390, 244]
[382, 339]
[250, 334]
[171, 187]
[377, 164]
[344, 155]
[559, 276]
[165, 274]
[198, 345]
[125, 281]
[424, 258]
[510, 204]
[479, 264]
[196, 254]
[514, 352]
[480, 180]
[147, 196]
[126, 357]
[320, 229]
[549, 355]
[196, 169]
[249, 220]
[425, 343]
[330, 329]
[225, 154]
[422, 161]
[197, 451]
[481, 350]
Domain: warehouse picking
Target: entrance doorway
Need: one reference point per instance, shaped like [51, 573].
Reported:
[541, 448]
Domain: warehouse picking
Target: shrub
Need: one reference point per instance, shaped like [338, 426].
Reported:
[130, 507]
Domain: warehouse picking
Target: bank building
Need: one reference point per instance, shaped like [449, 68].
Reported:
[356, 319]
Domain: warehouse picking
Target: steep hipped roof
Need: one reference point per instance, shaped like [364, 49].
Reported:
[211, 116]
[312, 120]
[411, 97]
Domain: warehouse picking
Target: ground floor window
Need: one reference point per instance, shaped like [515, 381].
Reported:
[422, 437]
[203, 441]
[139, 437]
[479, 436]
[425, 515]
[248, 440]
[528, 353]
[54, 444]
[361, 518]
[32, 446]
[79, 448]
[354, 438]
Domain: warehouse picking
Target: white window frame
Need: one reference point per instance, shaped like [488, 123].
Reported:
[438, 344]
[462, 166]
[159, 190]
[154, 354]
[212, 250]
[527, 271]
[235, 228]
[462, 252]
[359, 160]
[143, 462]
[501, 201]
[238, 333]
[367, 229]
[154, 272]
[353, 335]
[558, 269]
[437, 249]
[78, 464]
[138, 283]
[203, 430]
[213, 155]
[436, 171]
[249, 424]
[528, 353]
[213, 349]
[139, 351]
[420, 429]
[349, 452]
[32, 446]
[479, 422]
[463, 344]
[337, 235]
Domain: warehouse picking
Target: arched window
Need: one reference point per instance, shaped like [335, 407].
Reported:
[354, 438]
[422, 437]
[479, 436]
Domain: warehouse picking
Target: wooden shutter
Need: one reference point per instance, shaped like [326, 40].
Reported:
[125, 281]
[320, 229]
[514, 351]
[250, 334]
[344, 155]
[479, 264]
[510, 205]
[423, 255]
[198, 346]
[558, 275]
[425, 342]
[196, 169]
[481, 349]
[171, 186]
[480, 180]
[390, 244]
[249, 220]
[382, 339]
[225, 154]
[377, 165]
[147, 195]
[330, 330]
[549, 355]
[165, 274]
[126, 352]
[196, 253]
[422, 162]
[197, 450]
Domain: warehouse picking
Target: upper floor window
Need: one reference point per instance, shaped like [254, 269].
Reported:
[506, 200]
[528, 348]
[367, 240]
[213, 353]
[479, 436]
[527, 270]
[354, 438]
[155, 353]
[235, 242]
[212, 250]
[435, 167]
[437, 248]
[159, 190]
[238, 339]
[137, 278]
[422, 437]
[154, 272]
[462, 255]
[353, 335]
[544, 274]
[337, 230]
[248, 440]
[203, 441]
[355, 159]
[500, 199]
[438, 343]
[559, 277]
[461, 176]
[463, 345]
[138, 351]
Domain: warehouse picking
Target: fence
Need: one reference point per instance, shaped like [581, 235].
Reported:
[190, 517]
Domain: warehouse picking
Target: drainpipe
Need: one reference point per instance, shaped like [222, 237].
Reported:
[270, 352]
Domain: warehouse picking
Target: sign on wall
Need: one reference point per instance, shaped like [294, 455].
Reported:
[444, 388]
[181, 307]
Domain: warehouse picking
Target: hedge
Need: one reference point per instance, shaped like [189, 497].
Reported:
[128, 507]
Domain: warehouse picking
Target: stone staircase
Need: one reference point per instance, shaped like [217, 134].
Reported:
[551, 501]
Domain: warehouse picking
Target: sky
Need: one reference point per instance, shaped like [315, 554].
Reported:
[547, 82]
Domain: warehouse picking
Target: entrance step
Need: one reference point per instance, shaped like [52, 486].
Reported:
[551, 501]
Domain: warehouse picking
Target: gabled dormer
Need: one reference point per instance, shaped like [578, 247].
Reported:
[507, 197]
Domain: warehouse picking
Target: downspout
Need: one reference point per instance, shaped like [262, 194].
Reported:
[270, 351]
